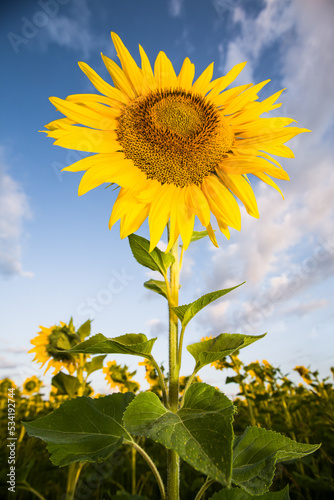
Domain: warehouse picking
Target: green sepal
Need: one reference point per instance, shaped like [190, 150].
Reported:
[130, 343]
[255, 454]
[198, 235]
[186, 312]
[200, 432]
[239, 494]
[84, 330]
[65, 384]
[83, 429]
[95, 364]
[211, 350]
[155, 260]
[156, 286]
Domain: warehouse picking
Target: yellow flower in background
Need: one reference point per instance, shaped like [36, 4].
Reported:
[49, 344]
[119, 378]
[31, 385]
[5, 385]
[304, 373]
[177, 148]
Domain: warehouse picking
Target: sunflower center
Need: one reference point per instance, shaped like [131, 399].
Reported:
[174, 137]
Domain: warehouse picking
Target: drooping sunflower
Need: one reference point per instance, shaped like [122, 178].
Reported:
[178, 148]
[49, 344]
[118, 377]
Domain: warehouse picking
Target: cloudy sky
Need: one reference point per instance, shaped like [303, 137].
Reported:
[57, 257]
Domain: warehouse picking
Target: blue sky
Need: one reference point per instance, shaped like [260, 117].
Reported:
[58, 258]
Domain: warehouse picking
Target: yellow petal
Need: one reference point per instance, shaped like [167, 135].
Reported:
[221, 83]
[119, 78]
[242, 189]
[91, 161]
[246, 96]
[103, 86]
[186, 75]
[259, 108]
[201, 85]
[185, 219]
[159, 213]
[269, 181]
[133, 218]
[147, 69]
[212, 235]
[197, 202]
[250, 165]
[222, 203]
[95, 98]
[86, 139]
[225, 97]
[83, 115]
[121, 172]
[129, 65]
[164, 72]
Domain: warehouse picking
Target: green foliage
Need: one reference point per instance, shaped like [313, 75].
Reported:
[83, 429]
[131, 343]
[186, 312]
[239, 494]
[255, 454]
[65, 384]
[200, 432]
[156, 260]
[215, 349]
[156, 286]
[95, 364]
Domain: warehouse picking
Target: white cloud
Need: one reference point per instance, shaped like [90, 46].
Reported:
[290, 249]
[14, 209]
[74, 31]
[175, 7]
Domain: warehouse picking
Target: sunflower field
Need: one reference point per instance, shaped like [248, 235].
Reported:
[267, 398]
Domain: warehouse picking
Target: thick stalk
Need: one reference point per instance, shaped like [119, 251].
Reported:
[173, 479]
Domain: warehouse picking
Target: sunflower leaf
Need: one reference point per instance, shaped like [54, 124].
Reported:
[130, 343]
[155, 260]
[239, 494]
[84, 330]
[201, 432]
[83, 429]
[95, 364]
[211, 350]
[255, 454]
[186, 312]
[157, 286]
[65, 384]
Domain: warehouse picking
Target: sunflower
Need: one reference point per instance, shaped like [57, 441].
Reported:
[177, 148]
[118, 376]
[49, 344]
[31, 385]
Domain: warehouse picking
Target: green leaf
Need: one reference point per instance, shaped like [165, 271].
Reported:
[201, 432]
[155, 260]
[186, 312]
[83, 429]
[211, 350]
[95, 364]
[198, 235]
[130, 343]
[157, 286]
[239, 494]
[65, 384]
[255, 454]
[84, 330]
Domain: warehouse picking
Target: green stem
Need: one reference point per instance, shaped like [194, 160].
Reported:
[190, 381]
[161, 381]
[205, 486]
[180, 348]
[133, 470]
[27, 487]
[173, 479]
[74, 470]
[152, 466]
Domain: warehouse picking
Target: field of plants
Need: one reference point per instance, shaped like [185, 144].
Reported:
[267, 398]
